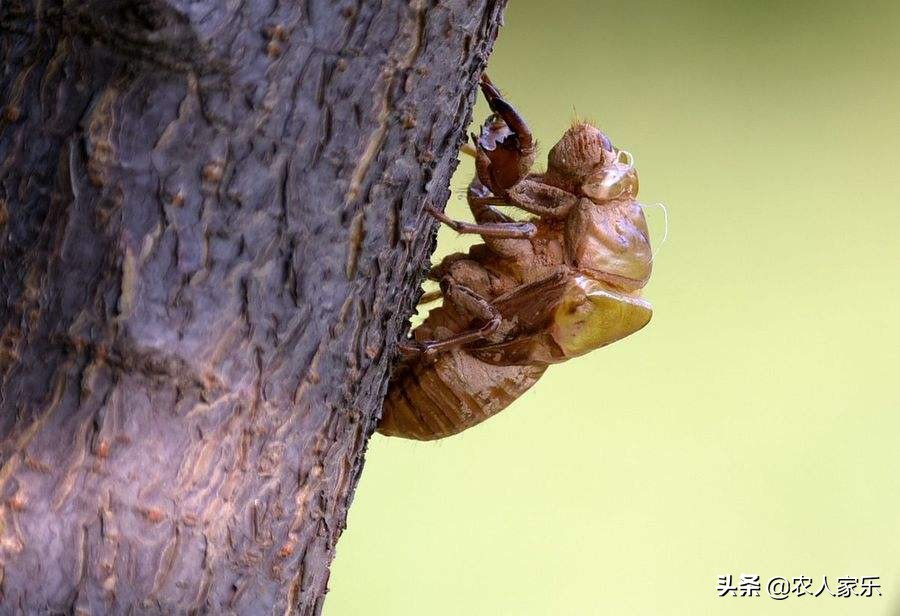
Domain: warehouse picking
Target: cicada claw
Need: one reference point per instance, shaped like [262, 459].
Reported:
[505, 147]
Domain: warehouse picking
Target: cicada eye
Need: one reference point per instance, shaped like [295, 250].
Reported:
[614, 180]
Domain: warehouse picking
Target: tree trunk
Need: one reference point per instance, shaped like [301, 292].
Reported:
[211, 236]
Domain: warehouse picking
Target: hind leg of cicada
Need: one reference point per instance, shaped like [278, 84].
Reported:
[468, 303]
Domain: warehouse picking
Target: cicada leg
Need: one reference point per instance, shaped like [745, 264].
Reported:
[516, 123]
[467, 303]
[505, 148]
[541, 199]
[510, 230]
[481, 203]
[533, 197]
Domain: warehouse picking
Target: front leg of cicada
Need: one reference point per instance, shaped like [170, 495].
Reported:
[505, 153]
[505, 148]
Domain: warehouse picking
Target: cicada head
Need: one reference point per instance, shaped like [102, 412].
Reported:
[585, 162]
[581, 149]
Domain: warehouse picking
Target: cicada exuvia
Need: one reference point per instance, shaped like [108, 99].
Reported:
[535, 293]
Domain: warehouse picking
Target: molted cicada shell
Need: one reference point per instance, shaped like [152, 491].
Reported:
[535, 293]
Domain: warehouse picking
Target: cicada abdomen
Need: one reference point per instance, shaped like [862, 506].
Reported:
[432, 400]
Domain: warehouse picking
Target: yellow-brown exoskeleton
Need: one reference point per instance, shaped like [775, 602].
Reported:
[534, 293]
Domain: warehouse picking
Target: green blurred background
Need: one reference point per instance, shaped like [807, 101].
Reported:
[753, 426]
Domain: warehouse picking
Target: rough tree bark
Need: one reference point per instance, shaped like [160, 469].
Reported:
[211, 236]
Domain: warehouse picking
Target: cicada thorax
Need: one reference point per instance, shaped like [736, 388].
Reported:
[609, 241]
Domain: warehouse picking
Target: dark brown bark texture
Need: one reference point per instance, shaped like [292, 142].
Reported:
[211, 236]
